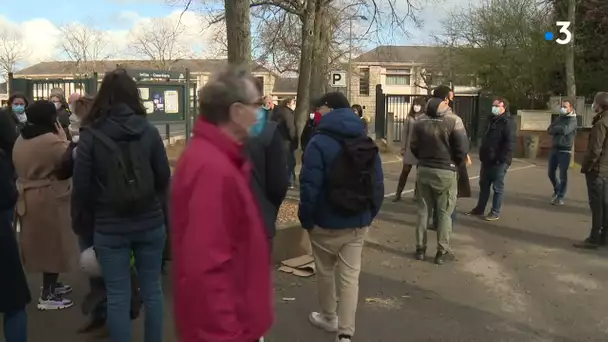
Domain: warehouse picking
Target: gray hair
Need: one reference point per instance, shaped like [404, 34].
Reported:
[601, 99]
[233, 85]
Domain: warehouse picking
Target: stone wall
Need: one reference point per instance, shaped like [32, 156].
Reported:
[546, 141]
[368, 102]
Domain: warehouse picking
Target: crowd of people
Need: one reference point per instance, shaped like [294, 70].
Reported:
[88, 180]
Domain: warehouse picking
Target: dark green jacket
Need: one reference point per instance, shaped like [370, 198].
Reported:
[596, 157]
[563, 130]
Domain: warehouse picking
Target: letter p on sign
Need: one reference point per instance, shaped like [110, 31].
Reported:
[338, 79]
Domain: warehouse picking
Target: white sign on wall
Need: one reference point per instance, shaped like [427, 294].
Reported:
[338, 79]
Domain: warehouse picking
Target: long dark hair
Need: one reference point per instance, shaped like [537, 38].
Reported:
[421, 101]
[117, 87]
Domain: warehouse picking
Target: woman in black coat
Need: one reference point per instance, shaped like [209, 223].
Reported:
[14, 292]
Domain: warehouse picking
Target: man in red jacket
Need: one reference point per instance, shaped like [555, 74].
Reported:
[221, 259]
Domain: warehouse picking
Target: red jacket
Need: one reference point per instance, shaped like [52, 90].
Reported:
[221, 260]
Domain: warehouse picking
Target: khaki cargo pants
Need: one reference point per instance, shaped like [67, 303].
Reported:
[437, 188]
[341, 248]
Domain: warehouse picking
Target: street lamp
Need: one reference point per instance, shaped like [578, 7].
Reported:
[350, 54]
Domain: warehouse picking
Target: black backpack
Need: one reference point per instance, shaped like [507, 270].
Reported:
[130, 179]
[352, 174]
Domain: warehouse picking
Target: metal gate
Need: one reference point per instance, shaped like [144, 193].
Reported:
[41, 89]
[398, 106]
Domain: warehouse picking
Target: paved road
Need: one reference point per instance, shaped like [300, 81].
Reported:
[517, 279]
[174, 130]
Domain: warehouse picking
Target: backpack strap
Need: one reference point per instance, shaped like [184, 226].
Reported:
[105, 140]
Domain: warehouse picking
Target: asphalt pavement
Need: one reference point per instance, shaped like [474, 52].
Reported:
[516, 279]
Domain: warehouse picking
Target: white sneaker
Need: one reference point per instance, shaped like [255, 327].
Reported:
[320, 321]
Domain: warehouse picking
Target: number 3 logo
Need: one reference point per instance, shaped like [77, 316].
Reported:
[564, 29]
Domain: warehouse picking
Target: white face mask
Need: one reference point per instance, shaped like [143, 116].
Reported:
[417, 108]
[311, 116]
[57, 105]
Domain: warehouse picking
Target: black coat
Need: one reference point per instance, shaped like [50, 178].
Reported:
[268, 181]
[14, 291]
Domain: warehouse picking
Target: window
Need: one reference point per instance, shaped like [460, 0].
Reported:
[400, 77]
[364, 81]
[260, 81]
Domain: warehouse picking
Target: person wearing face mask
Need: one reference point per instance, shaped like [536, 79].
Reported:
[58, 99]
[563, 130]
[439, 141]
[495, 154]
[120, 170]
[358, 110]
[12, 121]
[221, 262]
[595, 169]
[309, 129]
[284, 116]
[265, 150]
[409, 160]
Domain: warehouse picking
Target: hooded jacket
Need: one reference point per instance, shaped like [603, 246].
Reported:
[322, 149]
[563, 130]
[439, 139]
[90, 172]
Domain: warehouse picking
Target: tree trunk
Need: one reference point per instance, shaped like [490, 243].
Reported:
[570, 71]
[238, 31]
[303, 96]
[320, 53]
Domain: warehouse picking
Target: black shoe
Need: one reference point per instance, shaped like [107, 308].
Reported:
[95, 323]
[587, 244]
[491, 217]
[420, 254]
[442, 257]
[474, 212]
[397, 198]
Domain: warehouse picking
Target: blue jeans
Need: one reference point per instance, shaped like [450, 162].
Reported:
[114, 252]
[491, 176]
[559, 160]
[15, 326]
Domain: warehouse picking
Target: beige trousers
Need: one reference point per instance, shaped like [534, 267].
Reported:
[341, 248]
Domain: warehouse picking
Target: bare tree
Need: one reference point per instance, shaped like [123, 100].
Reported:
[238, 31]
[12, 52]
[85, 45]
[161, 42]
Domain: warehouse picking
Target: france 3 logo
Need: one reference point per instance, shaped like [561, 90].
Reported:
[564, 33]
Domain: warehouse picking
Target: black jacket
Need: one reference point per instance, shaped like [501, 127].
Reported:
[268, 181]
[90, 173]
[14, 291]
[498, 142]
[286, 121]
[9, 131]
[307, 133]
[439, 140]
[63, 116]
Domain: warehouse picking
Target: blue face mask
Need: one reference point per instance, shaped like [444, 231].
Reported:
[563, 111]
[18, 109]
[495, 110]
[258, 126]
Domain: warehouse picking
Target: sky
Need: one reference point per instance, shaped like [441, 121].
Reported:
[38, 23]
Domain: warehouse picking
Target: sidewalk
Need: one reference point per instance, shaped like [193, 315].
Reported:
[517, 279]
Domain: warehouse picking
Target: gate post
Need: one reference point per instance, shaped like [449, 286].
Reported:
[390, 132]
[380, 121]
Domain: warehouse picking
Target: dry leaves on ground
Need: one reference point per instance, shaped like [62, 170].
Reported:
[288, 212]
